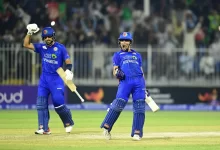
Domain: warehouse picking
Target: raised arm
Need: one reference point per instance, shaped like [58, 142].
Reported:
[27, 42]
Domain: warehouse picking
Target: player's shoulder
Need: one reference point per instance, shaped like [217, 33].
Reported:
[40, 45]
[135, 52]
[119, 52]
[59, 45]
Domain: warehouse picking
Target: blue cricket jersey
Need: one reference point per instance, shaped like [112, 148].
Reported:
[52, 56]
[129, 62]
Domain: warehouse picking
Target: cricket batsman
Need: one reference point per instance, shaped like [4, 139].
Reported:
[127, 67]
[53, 54]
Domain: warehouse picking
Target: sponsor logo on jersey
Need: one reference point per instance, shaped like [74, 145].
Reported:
[47, 58]
[54, 56]
[134, 57]
[47, 55]
[130, 61]
[50, 61]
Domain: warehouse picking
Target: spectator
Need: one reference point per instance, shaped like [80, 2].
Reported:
[207, 65]
[190, 30]
[214, 21]
[178, 28]
[89, 24]
[215, 53]
[126, 18]
[186, 64]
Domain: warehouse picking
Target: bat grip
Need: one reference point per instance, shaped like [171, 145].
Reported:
[82, 100]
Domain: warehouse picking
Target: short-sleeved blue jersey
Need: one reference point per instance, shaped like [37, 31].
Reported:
[129, 62]
[52, 56]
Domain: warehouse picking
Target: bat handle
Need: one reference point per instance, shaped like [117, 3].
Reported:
[82, 100]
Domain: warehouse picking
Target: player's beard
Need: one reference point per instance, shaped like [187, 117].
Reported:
[125, 47]
[49, 42]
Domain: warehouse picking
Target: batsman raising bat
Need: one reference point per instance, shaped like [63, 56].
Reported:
[127, 67]
[53, 55]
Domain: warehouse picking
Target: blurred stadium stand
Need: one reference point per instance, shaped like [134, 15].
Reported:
[179, 40]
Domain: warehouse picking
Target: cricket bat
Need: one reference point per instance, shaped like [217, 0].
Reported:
[69, 83]
[151, 103]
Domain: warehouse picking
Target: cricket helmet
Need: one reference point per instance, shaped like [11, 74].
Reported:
[125, 36]
[48, 32]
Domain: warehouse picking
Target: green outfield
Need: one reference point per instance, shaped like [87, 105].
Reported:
[162, 131]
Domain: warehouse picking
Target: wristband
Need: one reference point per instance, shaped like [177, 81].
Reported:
[69, 66]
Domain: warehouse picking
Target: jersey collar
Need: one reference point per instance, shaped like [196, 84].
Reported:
[51, 45]
[128, 52]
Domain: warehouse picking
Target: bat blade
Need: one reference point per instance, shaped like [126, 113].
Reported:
[69, 83]
[151, 103]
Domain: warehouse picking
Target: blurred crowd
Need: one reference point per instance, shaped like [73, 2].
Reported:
[189, 26]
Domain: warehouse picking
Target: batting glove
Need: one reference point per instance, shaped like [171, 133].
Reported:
[69, 74]
[32, 28]
[119, 74]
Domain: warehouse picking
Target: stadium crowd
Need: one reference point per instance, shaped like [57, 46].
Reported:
[97, 21]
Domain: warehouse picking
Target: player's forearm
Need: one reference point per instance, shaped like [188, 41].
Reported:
[27, 42]
[68, 64]
[68, 61]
